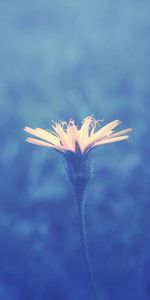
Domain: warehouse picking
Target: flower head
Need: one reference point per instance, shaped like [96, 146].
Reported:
[66, 137]
[76, 143]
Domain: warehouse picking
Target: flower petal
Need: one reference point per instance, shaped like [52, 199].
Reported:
[44, 144]
[110, 140]
[53, 139]
[104, 131]
[121, 132]
[72, 133]
[43, 134]
[84, 130]
[63, 136]
[84, 133]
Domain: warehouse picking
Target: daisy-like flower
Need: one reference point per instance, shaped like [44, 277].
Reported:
[68, 138]
[75, 143]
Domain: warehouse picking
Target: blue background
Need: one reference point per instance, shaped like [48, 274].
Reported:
[61, 60]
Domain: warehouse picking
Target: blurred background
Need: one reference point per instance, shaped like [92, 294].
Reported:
[62, 59]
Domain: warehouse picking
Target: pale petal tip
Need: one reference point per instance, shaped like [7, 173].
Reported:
[30, 140]
[129, 130]
[118, 122]
[27, 140]
[26, 128]
[126, 137]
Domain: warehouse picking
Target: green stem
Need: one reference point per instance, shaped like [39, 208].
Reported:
[80, 199]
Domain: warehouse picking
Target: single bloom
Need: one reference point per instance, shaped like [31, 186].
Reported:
[75, 143]
[67, 137]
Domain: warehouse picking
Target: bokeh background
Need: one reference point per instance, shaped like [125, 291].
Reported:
[62, 59]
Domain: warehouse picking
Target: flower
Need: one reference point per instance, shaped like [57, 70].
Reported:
[66, 137]
[76, 143]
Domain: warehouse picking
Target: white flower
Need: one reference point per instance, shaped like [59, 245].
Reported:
[68, 138]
